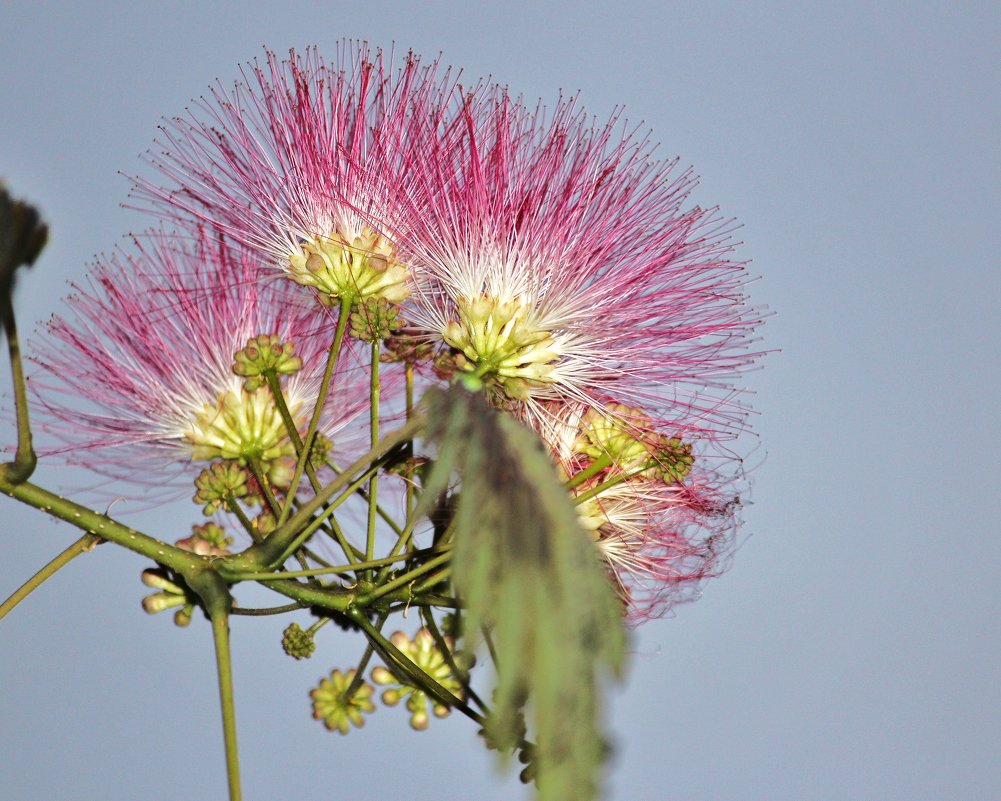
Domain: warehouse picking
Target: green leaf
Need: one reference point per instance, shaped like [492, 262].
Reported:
[529, 575]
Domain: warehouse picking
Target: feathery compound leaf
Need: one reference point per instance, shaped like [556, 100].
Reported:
[528, 573]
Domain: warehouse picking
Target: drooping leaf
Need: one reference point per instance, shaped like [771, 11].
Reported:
[22, 237]
[529, 575]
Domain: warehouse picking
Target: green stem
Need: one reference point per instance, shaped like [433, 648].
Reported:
[329, 509]
[82, 545]
[405, 579]
[437, 578]
[220, 636]
[319, 571]
[233, 506]
[257, 471]
[321, 398]
[23, 465]
[319, 624]
[297, 443]
[271, 610]
[609, 483]
[387, 518]
[272, 501]
[409, 475]
[184, 562]
[272, 551]
[407, 534]
[373, 487]
[356, 682]
[340, 599]
[592, 469]
[439, 640]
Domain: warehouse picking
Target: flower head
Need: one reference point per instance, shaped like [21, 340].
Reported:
[141, 372]
[554, 260]
[301, 161]
[661, 517]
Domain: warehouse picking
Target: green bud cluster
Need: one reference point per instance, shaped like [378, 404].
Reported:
[207, 540]
[406, 348]
[501, 340]
[674, 460]
[335, 708]
[297, 642]
[374, 319]
[220, 484]
[625, 434]
[350, 264]
[265, 354]
[320, 452]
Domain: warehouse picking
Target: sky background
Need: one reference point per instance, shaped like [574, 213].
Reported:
[851, 653]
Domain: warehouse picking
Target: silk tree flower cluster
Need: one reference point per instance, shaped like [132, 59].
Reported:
[535, 253]
[338, 241]
[150, 341]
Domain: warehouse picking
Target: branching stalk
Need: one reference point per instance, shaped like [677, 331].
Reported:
[321, 399]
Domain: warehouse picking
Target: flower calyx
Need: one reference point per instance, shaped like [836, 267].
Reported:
[424, 652]
[336, 708]
[500, 343]
[354, 267]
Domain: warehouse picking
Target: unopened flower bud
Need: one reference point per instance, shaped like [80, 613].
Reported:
[382, 676]
[162, 600]
[182, 617]
[391, 697]
[157, 579]
[674, 460]
[419, 720]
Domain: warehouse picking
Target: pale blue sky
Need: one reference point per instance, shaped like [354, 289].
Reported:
[852, 652]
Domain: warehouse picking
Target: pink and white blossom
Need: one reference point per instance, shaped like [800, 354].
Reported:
[663, 514]
[557, 260]
[301, 161]
[138, 375]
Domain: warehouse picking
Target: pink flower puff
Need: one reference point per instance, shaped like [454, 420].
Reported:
[546, 257]
[554, 260]
[300, 158]
[662, 514]
[139, 375]
[556, 263]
